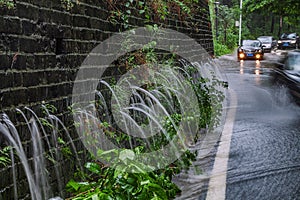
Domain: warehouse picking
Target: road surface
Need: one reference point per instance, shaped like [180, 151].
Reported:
[264, 155]
[258, 154]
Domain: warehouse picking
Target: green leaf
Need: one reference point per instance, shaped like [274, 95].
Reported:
[93, 167]
[73, 185]
[131, 180]
[156, 198]
[157, 189]
[61, 141]
[95, 197]
[145, 182]
[104, 196]
[107, 155]
[126, 154]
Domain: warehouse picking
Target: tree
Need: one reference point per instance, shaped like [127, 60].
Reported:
[288, 10]
[226, 20]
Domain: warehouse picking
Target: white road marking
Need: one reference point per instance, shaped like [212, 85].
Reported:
[217, 182]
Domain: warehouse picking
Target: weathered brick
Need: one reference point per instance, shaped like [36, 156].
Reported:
[5, 61]
[10, 42]
[18, 62]
[81, 21]
[61, 17]
[33, 78]
[6, 80]
[44, 61]
[28, 27]
[17, 80]
[10, 25]
[28, 45]
[28, 11]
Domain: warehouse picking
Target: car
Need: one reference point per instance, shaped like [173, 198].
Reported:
[268, 42]
[288, 40]
[287, 73]
[250, 49]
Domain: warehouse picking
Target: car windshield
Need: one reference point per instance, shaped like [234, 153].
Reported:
[288, 36]
[293, 62]
[251, 43]
[265, 39]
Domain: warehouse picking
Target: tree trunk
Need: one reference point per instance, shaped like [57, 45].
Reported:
[280, 26]
[272, 24]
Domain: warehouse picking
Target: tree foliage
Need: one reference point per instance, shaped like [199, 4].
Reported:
[264, 17]
[286, 8]
[290, 9]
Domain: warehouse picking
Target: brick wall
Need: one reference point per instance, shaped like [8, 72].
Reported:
[42, 45]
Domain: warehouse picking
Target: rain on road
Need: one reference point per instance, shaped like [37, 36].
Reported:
[264, 157]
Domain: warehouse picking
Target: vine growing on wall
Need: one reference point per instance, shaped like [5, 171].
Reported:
[67, 4]
[7, 3]
[151, 11]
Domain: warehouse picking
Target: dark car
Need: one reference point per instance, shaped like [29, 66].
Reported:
[288, 73]
[250, 49]
[268, 42]
[290, 40]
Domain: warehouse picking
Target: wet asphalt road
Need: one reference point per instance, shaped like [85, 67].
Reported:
[264, 158]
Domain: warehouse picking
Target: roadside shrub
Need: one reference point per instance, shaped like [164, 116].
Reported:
[221, 49]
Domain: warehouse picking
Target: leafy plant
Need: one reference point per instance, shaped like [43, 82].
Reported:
[119, 183]
[7, 3]
[5, 156]
[221, 49]
[69, 4]
[126, 177]
[150, 11]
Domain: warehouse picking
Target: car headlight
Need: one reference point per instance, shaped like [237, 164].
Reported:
[293, 41]
[279, 41]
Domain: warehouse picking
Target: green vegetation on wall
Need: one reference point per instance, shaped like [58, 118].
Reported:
[7, 3]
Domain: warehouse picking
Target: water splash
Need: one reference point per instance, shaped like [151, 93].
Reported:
[35, 165]
[10, 132]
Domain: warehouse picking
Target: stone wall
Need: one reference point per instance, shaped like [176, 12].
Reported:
[42, 44]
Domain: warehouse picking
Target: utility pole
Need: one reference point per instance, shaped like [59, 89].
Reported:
[240, 27]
